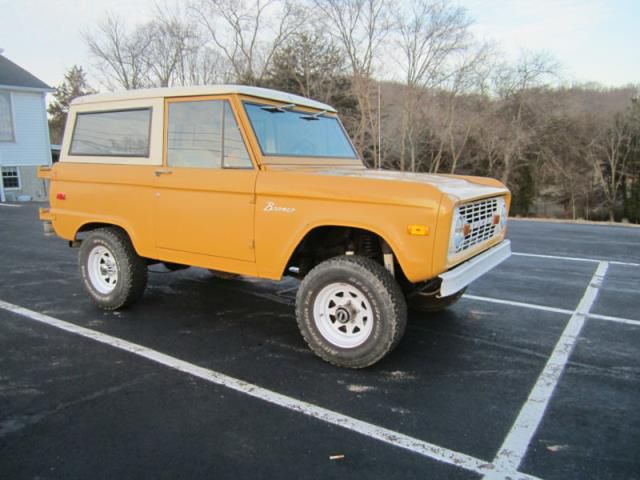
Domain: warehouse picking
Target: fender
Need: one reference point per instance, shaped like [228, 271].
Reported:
[298, 236]
[114, 222]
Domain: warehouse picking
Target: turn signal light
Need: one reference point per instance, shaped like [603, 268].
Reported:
[61, 196]
[418, 230]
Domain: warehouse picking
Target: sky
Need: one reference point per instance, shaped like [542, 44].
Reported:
[593, 40]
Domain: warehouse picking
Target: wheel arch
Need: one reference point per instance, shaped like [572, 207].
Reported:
[89, 226]
[324, 229]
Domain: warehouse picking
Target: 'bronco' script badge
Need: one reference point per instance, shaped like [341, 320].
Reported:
[272, 207]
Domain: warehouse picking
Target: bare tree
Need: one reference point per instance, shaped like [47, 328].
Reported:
[460, 105]
[612, 154]
[168, 50]
[249, 33]
[565, 146]
[179, 54]
[171, 39]
[360, 27]
[430, 34]
[121, 55]
[515, 85]
[202, 65]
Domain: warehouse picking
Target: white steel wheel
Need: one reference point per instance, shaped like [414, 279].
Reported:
[113, 274]
[343, 315]
[350, 311]
[102, 269]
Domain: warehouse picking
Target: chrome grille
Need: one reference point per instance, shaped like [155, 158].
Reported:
[479, 216]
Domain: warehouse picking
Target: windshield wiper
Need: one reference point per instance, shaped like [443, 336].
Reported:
[315, 116]
[278, 109]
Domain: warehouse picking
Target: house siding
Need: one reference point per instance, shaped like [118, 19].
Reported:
[31, 146]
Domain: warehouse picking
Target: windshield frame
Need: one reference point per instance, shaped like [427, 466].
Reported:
[301, 110]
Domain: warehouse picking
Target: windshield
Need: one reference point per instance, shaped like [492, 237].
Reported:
[282, 131]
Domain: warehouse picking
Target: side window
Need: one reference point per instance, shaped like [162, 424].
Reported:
[195, 134]
[235, 151]
[121, 133]
[204, 134]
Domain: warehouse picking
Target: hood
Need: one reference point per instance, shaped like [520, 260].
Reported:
[458, 188]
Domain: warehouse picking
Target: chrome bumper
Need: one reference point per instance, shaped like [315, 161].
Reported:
[459, 277]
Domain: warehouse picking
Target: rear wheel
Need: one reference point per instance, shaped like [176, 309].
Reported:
[112, 272]
[350, 311]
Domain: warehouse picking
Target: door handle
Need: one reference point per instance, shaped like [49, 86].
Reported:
[163, 172]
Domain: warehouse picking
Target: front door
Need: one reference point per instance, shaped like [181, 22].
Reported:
[204, 196]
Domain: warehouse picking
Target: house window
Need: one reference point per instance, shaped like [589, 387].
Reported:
[6, 118]
[10, 178]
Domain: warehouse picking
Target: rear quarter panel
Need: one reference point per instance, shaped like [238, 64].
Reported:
[121, 195]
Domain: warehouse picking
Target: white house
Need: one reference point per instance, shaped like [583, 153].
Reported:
[24, 133]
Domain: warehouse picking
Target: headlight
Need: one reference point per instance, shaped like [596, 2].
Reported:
[457, 233]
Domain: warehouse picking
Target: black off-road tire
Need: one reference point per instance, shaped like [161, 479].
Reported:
[131, 268]
[377, 285]
[431, 303]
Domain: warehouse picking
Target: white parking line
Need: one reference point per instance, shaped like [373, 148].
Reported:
[512, 303]
[515, 445]
[574, 259]
[390, 437]
[609, 318]
[628, 264]
[544, 308]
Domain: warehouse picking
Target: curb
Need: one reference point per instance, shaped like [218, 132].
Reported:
[574, 222]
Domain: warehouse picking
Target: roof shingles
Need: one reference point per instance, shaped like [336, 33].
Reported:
[13, 75]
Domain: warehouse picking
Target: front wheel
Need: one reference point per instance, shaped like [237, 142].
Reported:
[112, 272]
[350, 311]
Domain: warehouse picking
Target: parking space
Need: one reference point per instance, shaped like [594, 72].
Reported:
[620, 294]
[592, 426]
[94, 411]
[443, 405]
[617, 243]
[541, 281]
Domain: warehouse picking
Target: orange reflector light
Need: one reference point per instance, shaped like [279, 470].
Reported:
[467, 229]
[418, 230]
[496, 219]
[61, 196]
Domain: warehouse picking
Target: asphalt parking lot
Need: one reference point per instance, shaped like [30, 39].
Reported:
[534, 373]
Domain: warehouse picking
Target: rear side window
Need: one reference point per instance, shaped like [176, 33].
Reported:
[204, 134]
[121, 133]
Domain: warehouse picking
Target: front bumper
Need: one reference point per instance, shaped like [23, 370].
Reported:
[459, 277]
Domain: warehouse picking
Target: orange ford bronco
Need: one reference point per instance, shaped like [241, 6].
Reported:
[257, 182]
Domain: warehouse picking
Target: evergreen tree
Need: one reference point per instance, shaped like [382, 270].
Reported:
[74, 85]
[309, 64]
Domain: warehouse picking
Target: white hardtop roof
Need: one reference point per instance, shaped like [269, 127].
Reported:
[202, 90]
